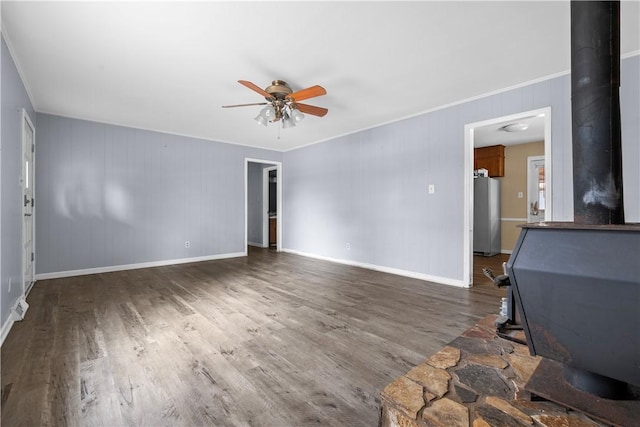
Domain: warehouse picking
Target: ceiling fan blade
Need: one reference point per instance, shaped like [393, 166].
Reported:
[245, 105]
[312, 109]
[255, 88]
[309, 92]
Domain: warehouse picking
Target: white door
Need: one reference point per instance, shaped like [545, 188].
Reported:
[536, 189]
[28, 149]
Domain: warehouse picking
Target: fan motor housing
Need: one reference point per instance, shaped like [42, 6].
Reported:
[279, 89]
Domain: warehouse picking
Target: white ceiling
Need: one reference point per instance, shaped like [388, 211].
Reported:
[169, 66]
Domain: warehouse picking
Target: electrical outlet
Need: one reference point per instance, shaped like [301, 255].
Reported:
[348, 246]
[187, 244]
[432, 188]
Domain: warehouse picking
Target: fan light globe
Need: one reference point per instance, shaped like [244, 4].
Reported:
[260, 119]
[287, 122]
[296, 115]
[268, 112]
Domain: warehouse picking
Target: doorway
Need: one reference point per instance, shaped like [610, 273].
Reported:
[28, 202]
[270, 206]
[475, 132]
[263, 220]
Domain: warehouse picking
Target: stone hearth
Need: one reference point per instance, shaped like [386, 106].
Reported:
[477, 380]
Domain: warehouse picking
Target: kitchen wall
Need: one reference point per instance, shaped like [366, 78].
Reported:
[112, 197]
[369, 190]
[513, 209]
[14, 99]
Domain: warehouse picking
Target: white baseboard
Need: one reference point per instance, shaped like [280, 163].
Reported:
[383, 269]
[16, 314]
[258, 245]
[72, 273]
[506, 251]
[6, 328]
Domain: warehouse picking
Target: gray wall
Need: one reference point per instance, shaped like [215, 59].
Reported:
[369, 189]
[630, 112]
[14, 99]
[111, 196]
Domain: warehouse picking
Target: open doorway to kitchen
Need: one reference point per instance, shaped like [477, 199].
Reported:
[516, 137]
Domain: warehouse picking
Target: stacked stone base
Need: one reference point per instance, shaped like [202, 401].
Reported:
[477, 380]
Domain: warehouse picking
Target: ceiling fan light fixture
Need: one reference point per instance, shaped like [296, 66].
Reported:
[515, 127]
[282, 103]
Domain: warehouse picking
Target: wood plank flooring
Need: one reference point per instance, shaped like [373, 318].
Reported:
[272, 339]
[494, 263]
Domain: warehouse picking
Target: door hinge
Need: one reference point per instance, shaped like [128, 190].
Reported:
[33, 256]
[33, 148]
[33, 202]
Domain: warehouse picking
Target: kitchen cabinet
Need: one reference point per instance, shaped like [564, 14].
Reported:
[490, 158]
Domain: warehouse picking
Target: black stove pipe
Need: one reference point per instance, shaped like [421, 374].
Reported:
[595, 110]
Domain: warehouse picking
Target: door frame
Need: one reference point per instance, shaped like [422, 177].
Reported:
[467, 246]
[279, 200]
[265, 203]
[26, 287]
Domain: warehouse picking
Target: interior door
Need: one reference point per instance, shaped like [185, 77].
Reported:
[536, 189]
[28, 150]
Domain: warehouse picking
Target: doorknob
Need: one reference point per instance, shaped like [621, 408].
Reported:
[26, 200]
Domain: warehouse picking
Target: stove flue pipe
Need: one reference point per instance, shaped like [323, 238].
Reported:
[595, 110]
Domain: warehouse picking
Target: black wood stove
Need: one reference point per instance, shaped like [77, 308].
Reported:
[577, 285]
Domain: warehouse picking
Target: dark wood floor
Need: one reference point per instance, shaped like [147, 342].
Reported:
[272, 339]
[494, 263]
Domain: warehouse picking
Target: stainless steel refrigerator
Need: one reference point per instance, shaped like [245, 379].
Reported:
[486, 216]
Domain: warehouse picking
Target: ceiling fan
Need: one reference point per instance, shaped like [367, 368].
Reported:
[282, 103]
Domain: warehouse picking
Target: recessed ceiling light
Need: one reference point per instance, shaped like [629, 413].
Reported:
[515, 127]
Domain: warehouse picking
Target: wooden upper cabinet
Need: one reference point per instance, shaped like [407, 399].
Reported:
[490, 158]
